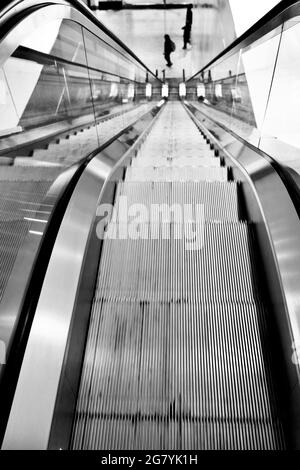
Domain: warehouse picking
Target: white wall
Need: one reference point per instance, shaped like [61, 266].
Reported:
[246, 13]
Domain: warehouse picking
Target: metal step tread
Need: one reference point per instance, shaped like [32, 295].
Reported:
[219, 199]
[194, 365]
[179, 162]
[188, 173]
[217, 266]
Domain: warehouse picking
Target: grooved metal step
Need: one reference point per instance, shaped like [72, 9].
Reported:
[158, 379]
[166, 269]
[219, 199]
[187, 173]
[179, 163]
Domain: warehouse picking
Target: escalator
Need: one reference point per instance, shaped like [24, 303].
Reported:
[176, 355]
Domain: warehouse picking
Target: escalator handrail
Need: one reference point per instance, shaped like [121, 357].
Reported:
[29, 309]
[284, 11]
[40, 57]
[16, 9]
[35, 282]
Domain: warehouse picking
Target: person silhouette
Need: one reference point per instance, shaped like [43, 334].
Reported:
[189, 15]
[188, 26]
[169, 47]
[186, 35]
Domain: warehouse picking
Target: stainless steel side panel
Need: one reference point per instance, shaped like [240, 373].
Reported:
[35, 394]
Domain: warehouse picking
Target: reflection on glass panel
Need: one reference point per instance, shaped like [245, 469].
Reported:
[52, 92]
[105, 80]
[217, 89]
[69, 44]
[236, 88]
[52, 89]
[100, 55]
[55, 109]
[60, 38]
[243, 120]
[280, 132]
[259, 62]
[112, 60]
[37, 99]
[105, 92]
[112, 81]
[76, 91]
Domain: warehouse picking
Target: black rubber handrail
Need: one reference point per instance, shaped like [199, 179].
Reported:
[26, 53]
[282, 12]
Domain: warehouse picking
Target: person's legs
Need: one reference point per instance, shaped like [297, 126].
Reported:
[167, 57]
[189, 36]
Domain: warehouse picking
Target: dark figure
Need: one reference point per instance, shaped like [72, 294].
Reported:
[188, 26]
[169, 48]
[186, 35]
[189, 15]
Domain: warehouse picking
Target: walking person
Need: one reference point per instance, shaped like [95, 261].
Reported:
[188, 26]
[189, 15]
[186, 35]
[168, 49]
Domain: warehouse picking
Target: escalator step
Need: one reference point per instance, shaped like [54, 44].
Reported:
[188, 173]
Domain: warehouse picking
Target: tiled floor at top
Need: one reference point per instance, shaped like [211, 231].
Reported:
[143, 31]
